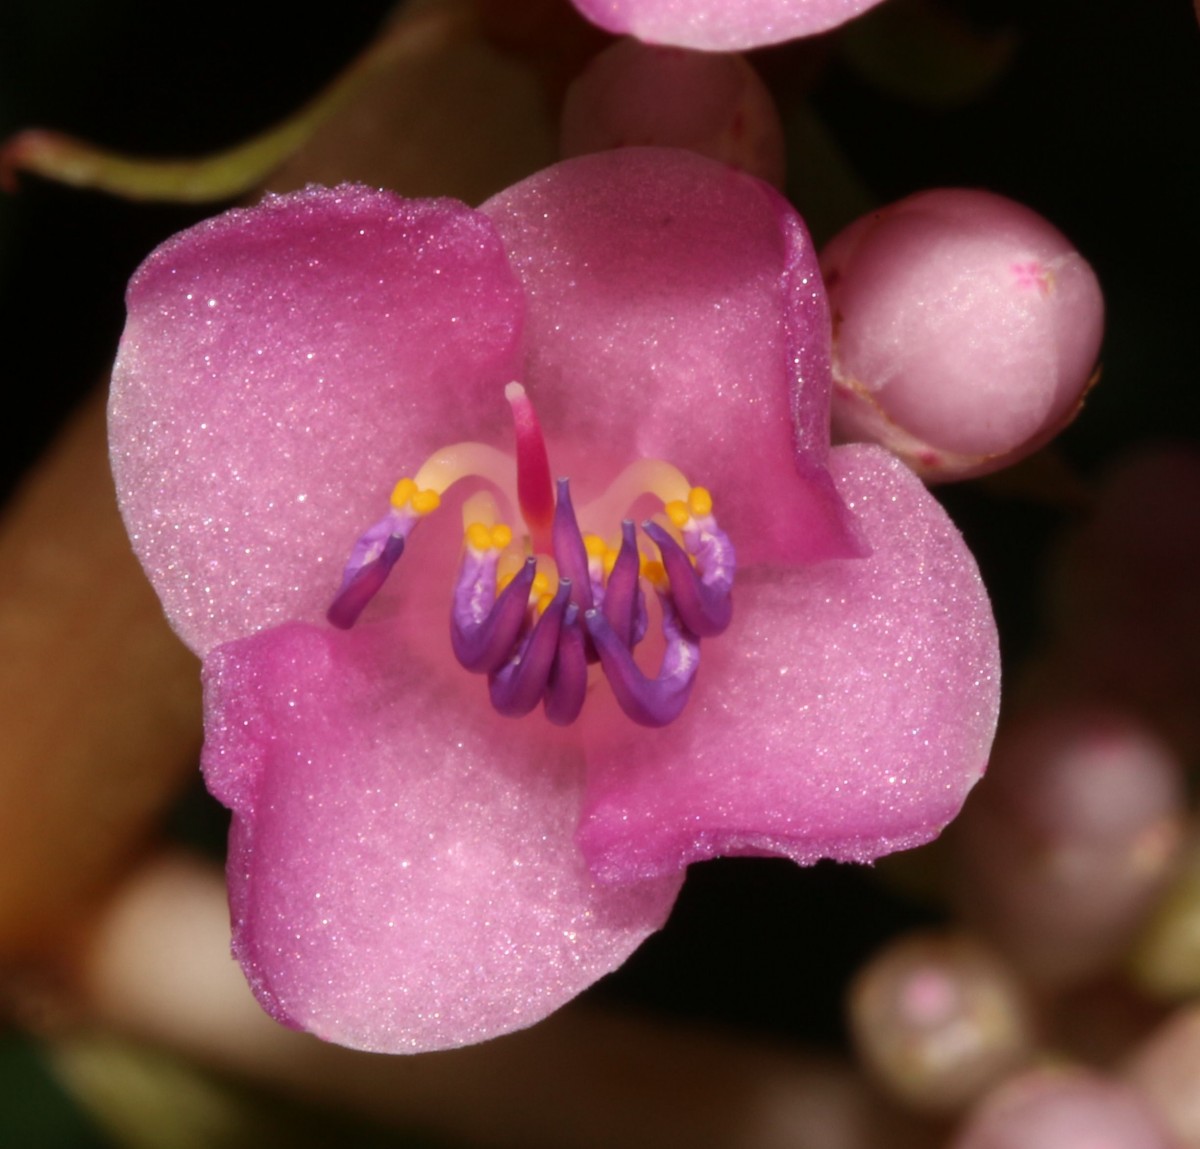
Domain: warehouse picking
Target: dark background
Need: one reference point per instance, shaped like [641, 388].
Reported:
[1095, 124]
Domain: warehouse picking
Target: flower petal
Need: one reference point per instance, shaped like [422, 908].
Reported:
[844, 714]
[720, 25]
[675, 310]
[402, 870]
[281, 367]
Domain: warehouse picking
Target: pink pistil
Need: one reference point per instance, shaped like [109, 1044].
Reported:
[534, 489]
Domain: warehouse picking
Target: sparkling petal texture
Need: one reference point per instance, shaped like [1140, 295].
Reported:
[402, 871]
[405, 866]
[280, 368]
[668, 324]
[720, 25]
[844, 714]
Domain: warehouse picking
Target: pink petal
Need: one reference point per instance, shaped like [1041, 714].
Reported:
[281, 367]
[720, 25]
[675, 310]
[844, 714]
[402, 870]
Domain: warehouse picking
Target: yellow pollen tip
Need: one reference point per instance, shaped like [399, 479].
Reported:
[654, 572]
[541, 586]
[700, 502]
[479, 537]
[402, 492]
[543, 602]
[678, 512]
[595, 546]
[501, 536]
[406, 493]
[425, 502]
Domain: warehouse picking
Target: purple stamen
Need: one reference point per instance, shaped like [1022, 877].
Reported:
[362, 583]
[569, 551]
[648, 701]
[701, 595]
[622, 596]
[566, 689]
[484, 627]
[517, 687]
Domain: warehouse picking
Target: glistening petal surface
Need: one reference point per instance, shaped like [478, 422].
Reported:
[845, 713]
[720, 25]
[280, 368]
[402, 869]
[675, 310]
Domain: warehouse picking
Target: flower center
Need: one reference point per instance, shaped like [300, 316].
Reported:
[534, 611]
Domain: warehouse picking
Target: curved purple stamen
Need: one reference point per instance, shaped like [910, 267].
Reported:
[701, 594]
[569, 552]
[484, 627]
[648, 701]
[518, 686]
[361, 585]
[566, 689]
[621, 596]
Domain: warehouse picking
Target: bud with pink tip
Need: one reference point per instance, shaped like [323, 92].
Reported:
[966, 330]
[938, 1019]
[635, 94]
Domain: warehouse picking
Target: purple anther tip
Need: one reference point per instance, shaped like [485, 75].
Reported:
[517, 687]
[362, 586]
[622, 596]
[484, 645]
[647, 701]
[569, 552]
[566, 689]
[705, 610]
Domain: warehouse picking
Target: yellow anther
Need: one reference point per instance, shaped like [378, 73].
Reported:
[501, 536]
[541, 586]
[479, 537]
[678, 512]
[595, 546]
[406, 493]
[610, 561]
[543, 602]
[654, 572]
[700, 502]
[425, 502]
[402, 492]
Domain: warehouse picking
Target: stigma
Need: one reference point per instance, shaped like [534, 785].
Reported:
[544, 608]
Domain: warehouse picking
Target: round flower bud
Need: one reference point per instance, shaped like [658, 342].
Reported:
[634, 94]
[965, 331]
[1067, 842]
[1062, 1109]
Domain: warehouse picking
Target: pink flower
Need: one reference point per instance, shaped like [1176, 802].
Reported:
[409, 868]
[720, 25]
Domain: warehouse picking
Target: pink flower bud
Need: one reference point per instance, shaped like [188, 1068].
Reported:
[966, 330]
[1062, 1109]
[938, 1019]
[1067, 842]
[637, 94]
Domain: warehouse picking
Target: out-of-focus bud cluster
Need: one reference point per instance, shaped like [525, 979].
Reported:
[966, 330]
[1044, 1018]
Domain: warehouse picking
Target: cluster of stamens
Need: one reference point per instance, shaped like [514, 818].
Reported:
[535, 612]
